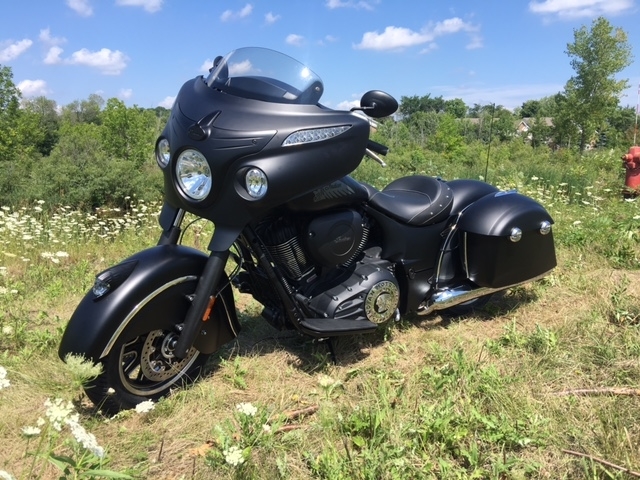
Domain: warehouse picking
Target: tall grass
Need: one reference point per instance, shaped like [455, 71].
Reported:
[545, 369]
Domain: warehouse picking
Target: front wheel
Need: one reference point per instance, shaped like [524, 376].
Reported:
[142, 368]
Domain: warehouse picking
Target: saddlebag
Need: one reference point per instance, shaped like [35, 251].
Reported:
[506, 240]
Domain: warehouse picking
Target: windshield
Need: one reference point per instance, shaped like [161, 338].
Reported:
[267, 75]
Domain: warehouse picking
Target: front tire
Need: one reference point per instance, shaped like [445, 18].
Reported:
[142, 368]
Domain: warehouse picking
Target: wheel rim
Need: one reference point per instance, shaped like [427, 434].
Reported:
[147, 365]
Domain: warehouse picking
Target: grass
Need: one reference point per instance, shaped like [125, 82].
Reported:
[493, 395]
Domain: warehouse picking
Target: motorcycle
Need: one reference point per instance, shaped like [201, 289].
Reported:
[250, 148]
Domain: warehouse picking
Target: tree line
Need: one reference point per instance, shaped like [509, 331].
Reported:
[93, 152]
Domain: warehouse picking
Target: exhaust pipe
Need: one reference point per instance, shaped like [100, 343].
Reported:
[448, 297]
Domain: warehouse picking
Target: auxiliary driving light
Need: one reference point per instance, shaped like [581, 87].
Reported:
[193, 174]
[256, 183]
[163, 153]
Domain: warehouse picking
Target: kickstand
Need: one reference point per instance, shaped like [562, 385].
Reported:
[332, 350]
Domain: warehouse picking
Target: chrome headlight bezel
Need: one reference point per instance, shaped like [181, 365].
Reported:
[193, 175]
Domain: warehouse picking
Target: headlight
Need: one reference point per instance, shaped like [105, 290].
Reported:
[256, 183]
[163, 153]
[193, 174]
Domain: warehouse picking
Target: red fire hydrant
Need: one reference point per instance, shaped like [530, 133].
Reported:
[631, 163]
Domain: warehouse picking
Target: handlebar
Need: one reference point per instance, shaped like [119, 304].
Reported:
[374, 148]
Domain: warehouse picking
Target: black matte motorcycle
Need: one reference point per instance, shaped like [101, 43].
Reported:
[250, 149]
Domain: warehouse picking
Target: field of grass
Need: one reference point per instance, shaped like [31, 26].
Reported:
[544, 382]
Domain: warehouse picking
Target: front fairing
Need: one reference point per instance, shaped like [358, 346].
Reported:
[236, 134]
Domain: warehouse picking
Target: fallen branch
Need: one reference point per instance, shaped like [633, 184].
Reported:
[294, 414]
[603, 462]
[288, 428]
[600, 391]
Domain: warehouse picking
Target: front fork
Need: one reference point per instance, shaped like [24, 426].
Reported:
[203, 298]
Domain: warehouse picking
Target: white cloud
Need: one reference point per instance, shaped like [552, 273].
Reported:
[107, 61]
[125, 93]
[348, 104]
[333, 4]
[228, 15]
[294, 39]
[240, 68]
[33, 88]
[270, 18]
[570, 9]
[167, 102]
[14, 50]
[204, 68]
[46, 38]
[81, 7]
[150, 6]
[394, 38]
[53, 56]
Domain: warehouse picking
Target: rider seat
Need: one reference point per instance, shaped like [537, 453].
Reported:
[415, 200]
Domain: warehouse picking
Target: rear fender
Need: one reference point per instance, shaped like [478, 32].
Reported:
[153, 296]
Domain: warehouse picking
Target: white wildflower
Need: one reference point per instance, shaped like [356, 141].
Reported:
[62, 254]
[247, 409]
[534, 178]
[6, 475]
[266, 428]
[31, 431]
[145, 407]
[86, 439]
[4, 381]
[3, 290]
[110, 391]
[325, 381]
[233, 456]
[58, 412]
[7, 329]
[577, 222]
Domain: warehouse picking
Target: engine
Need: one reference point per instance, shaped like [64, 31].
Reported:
[327, 262]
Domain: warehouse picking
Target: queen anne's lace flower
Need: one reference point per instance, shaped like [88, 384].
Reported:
[144, 407]
[58, 412]
[247, 409]
[233, 456]
[4, 381]
[31, 431]
[86, 439]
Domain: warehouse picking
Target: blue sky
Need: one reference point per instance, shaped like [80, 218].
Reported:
[141, 51]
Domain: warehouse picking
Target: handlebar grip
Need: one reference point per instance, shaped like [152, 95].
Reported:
[377, 147]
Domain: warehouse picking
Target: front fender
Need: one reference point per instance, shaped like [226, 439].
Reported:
[153, 296]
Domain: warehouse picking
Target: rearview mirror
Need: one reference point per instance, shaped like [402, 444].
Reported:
[378, 104]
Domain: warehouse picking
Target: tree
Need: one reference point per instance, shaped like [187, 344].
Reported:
[47, 119]
[592, 94]
[9, 109]
[128, 133]
[84, 111]
[456, 107]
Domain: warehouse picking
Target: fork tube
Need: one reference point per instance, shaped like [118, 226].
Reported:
[211, 275]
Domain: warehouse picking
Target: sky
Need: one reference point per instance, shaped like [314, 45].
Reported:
[142, 51]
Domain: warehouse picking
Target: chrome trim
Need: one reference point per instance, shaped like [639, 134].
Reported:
[452, 230]
[179, 217]
[447, 298]
[466, 256]
[138, 307]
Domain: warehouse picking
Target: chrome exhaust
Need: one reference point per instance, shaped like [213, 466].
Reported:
[448, 297]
